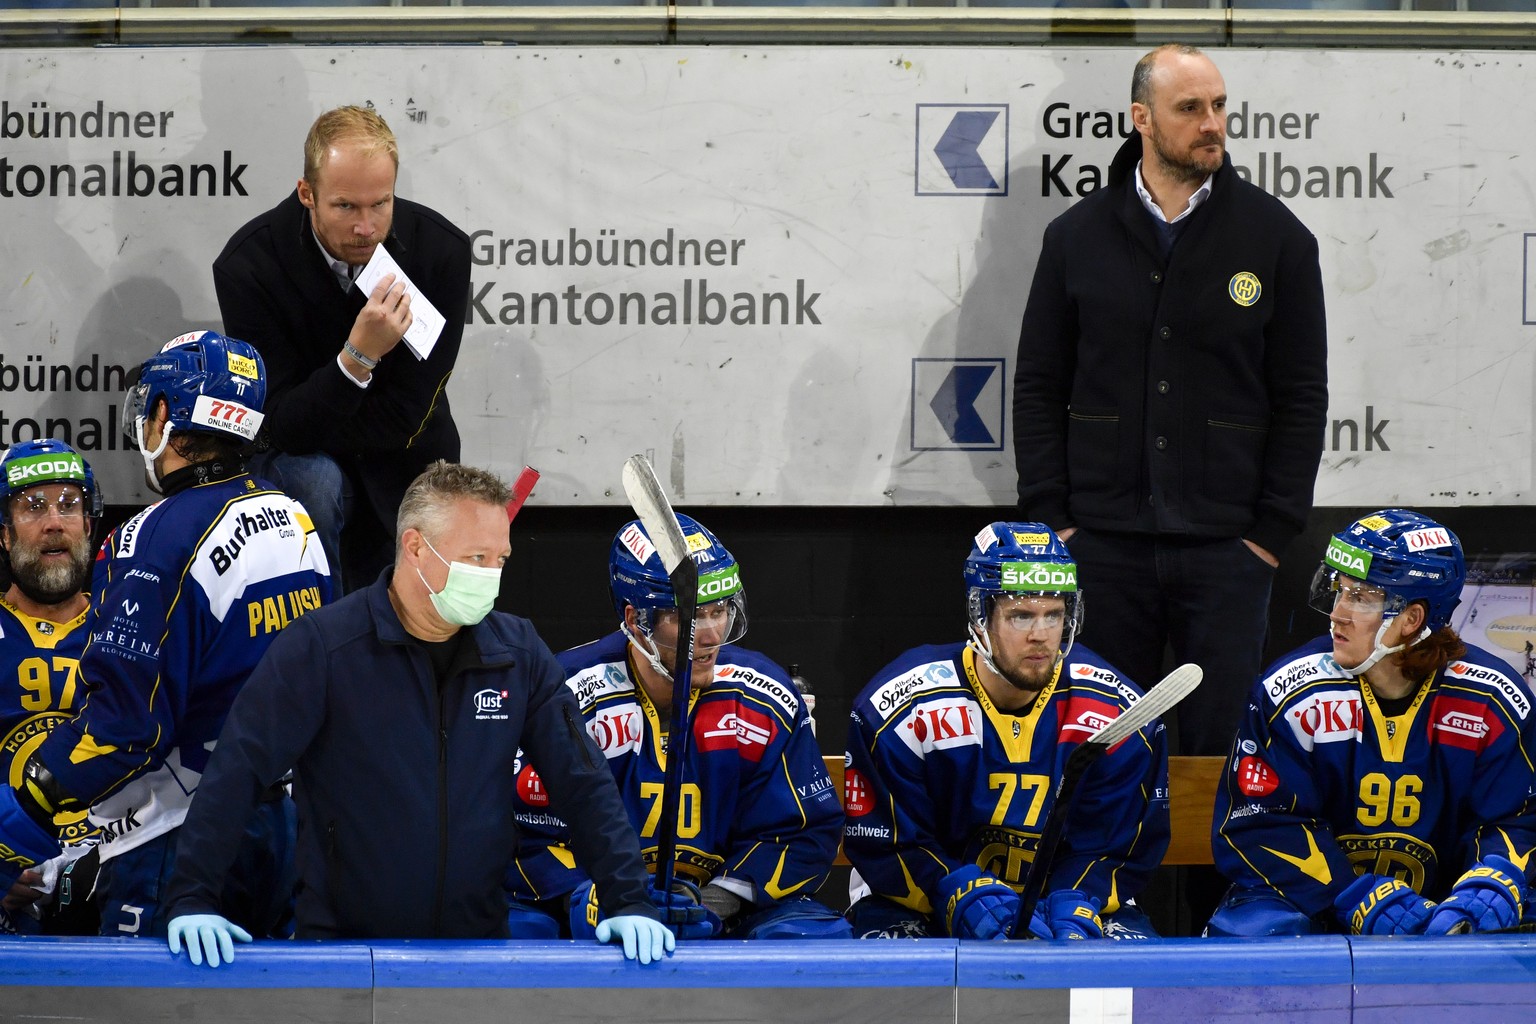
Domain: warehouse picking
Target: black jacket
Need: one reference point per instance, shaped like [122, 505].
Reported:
[405, 793]
[277, 292]
[1147, 396]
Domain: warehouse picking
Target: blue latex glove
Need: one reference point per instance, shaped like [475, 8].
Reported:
[1378, 905]
[1073, 915]
[644, 940]
[207, 935]
[23, 842]
[978, 905]
[684, 912]
[1489, 896]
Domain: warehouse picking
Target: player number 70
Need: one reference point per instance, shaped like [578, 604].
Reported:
[689, 822]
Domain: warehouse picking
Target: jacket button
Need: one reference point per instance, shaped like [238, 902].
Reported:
[1162, 443]
[1165, 333]
[1157, 277]
[1162, 387]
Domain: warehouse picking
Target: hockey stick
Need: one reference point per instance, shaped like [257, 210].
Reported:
[656, 515]
[520, 491]
[1174, 688]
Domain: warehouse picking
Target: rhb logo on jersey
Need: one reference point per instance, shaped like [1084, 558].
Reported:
[616, 730]
[856, 797]
[739, 728]
[1330, 716]
[941, 725]
[637, 543]
[1255, 778]
[530, 788]
[1034, 577]
[1462, 723]
[1347, 558]
[1082, 718]
[1424, 540]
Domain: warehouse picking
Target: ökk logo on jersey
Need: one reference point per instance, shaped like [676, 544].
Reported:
[637, 543]
[941, 725]
[1329, 716]
[616, 730]
[1424, 540]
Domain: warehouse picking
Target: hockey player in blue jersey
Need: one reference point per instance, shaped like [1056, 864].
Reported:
[49, 502]
[955, 751]
[758, 820]
[1381, 782]
[187, 596]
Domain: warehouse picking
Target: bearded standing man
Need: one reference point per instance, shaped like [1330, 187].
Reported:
[1171, 394]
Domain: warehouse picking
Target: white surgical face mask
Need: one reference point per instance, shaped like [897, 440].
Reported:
[469, 593]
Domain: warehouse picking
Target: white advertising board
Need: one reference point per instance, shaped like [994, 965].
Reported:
[792, 276]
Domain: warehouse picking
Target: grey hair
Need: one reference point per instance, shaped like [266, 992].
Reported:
[1141, 78]
[427, 501]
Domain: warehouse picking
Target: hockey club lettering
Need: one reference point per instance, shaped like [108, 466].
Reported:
[1462, 723]
[1425, 540]
[857, 799]
[1255, 778]
[781, 694]
[616, 730]
[530, 788]
[1512, 691]
[637, 543]
[1331, 716]
[1083, 718]
[488, 705]
[942, 725]
[247, 527]
[725, 726]
[893, 694]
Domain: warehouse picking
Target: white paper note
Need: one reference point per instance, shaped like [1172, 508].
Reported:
[426, 321]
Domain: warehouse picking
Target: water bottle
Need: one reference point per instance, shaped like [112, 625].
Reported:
[805, 694]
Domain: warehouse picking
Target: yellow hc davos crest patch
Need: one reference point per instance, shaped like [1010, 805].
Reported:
[1244, 288]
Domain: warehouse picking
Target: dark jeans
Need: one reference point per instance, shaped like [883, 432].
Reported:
[316, 482]
[1208, 599]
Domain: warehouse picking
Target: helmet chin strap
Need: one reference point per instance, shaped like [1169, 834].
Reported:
[149, 457]
[647, 647]
[1378, 651]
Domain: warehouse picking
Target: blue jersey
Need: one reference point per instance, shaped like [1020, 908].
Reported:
[757, 805]
[1323, 785]
[43, 659]
[187, 596]
[938, 777]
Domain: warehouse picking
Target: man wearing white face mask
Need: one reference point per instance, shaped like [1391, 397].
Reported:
[401, 709]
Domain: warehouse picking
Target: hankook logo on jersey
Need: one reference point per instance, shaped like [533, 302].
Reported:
[1512, 691]
[1102, 675]
[128, 533]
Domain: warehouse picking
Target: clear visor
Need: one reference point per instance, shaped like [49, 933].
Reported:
[133, 406]
[1333, 591]
[717, 623]
[1029, 615]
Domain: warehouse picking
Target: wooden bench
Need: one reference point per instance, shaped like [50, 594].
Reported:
[1192, 785]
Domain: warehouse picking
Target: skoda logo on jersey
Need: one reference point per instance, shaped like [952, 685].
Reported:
[715, 586]
[1244, 288]
[488, 705]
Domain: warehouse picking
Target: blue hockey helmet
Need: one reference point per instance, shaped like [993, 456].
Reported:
[1403, 555]
[46, 461]
[637, 579]
[1019, 560]
[209, 382]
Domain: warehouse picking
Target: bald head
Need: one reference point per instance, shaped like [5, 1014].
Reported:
[1179, 105]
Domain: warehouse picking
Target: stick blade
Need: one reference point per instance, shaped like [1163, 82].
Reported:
[650, 503]
[1174, 687]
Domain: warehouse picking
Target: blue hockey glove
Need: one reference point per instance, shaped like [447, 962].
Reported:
[1073, 915]
[1489, 896]
[1378, 905]
[644, 940]
[684, 912]
[207, 935]
[23, 842]
[979, 905]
